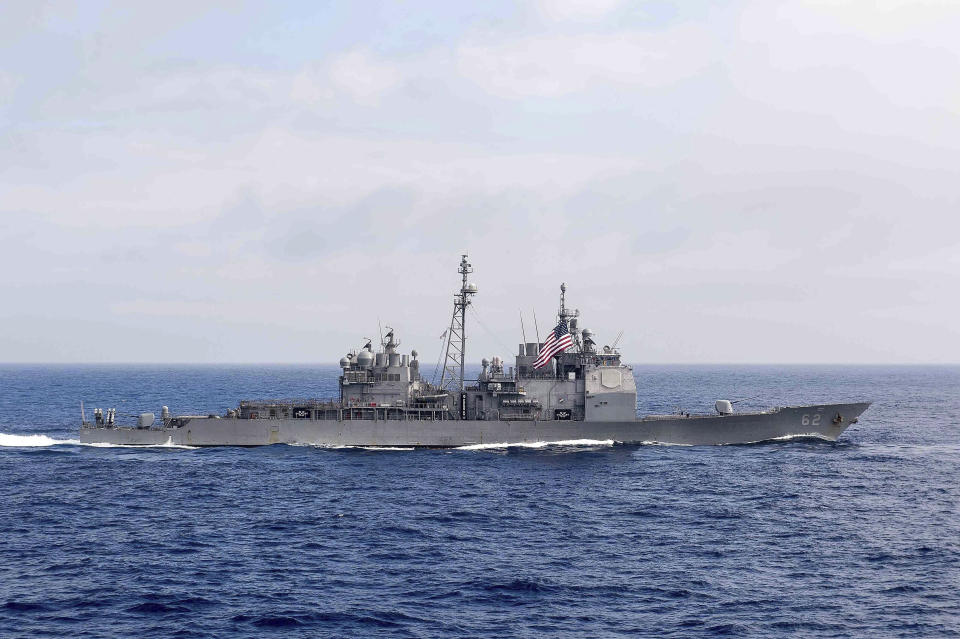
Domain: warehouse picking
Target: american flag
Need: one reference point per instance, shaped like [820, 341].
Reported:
[558, 341]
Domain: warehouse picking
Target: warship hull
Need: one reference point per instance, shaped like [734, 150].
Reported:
[825, 421]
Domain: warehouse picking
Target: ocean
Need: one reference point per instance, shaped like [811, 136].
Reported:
[798, 538]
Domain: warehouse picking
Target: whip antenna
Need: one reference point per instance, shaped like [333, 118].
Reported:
[617, 341]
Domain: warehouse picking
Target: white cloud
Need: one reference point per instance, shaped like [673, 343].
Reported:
[885, 20]
[358, 74]
[852, 59]
[8, 86]
[560, 65]
[579, 10]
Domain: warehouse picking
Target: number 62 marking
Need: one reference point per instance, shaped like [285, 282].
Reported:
[806, 421]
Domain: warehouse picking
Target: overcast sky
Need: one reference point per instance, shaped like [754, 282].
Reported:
[747, 181]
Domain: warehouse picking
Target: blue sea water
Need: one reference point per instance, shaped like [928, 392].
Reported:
[855, 538]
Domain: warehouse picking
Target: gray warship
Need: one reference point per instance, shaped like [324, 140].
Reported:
[565, 389]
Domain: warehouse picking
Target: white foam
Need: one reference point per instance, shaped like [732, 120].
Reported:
[786, 438]
[34, 441]
[167, 444]
[340, 446]
[344, 447]
[654, 442]
[566, 442]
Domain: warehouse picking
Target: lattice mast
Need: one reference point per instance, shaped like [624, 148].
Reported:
[453, 364]
[569, 316]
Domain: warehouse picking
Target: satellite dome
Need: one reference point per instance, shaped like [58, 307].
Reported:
[344, 362]
[365, 358]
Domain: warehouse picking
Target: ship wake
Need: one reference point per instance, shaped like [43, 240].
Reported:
[10, 440]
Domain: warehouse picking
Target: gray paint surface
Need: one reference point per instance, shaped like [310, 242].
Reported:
[693, 430]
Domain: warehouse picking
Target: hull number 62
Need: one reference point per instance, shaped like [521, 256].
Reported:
[808, 421]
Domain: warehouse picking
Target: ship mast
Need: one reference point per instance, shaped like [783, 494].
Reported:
[453, 365]
[567, 315]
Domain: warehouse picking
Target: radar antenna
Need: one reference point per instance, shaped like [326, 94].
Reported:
[453, 366]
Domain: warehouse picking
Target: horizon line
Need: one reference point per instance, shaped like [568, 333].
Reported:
[336, 364]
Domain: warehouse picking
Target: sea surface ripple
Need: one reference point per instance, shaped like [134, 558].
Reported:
[815, 539]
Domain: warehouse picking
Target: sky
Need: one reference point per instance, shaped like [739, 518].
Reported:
[724, 182]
